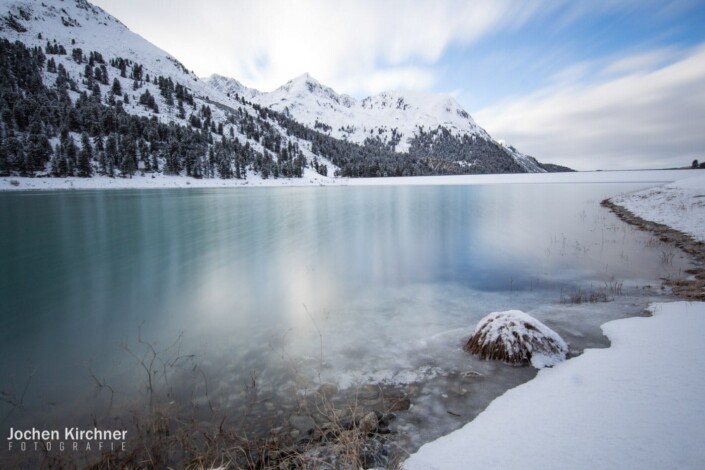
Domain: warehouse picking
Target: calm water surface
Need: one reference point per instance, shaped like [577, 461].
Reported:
[341, 285]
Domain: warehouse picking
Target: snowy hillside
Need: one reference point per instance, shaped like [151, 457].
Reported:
[395, 118]
[230, 87]
[79, 24]
[127, 107]
[96, 50]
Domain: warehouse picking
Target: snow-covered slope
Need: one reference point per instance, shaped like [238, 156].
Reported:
[389, 116]
[231, 87]
[79, 25]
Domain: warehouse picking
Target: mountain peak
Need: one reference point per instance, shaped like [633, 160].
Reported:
[307, 90]
[304, 82]
[305, 77]
[216, 78]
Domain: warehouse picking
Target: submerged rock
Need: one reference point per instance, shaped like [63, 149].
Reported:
[327, 391]
[303, 424]
[516, 338]
[369, 423]
[396, 403]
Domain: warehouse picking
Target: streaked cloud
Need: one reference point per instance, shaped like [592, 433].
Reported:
[357, 47]
[640, 62]
[639, 115]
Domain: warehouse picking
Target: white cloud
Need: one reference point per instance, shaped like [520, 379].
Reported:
[356, 47]
[398, 78]
[640, 62]
[645, 118]
[573, 73]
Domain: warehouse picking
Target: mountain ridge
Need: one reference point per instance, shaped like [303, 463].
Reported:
[222, 128]
[394, 117]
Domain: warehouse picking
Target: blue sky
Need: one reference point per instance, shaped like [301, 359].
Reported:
[599, 84]
[519, 61]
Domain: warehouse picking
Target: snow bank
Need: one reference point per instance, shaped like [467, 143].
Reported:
[517, 338]
[680, 205]
[159, 180]
[637, 404]
[311, 178]
[578, 177]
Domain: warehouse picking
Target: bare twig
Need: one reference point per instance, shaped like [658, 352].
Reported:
[320, 342]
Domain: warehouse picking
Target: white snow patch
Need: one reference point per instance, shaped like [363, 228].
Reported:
[680, 205]
[157, 181]
[636, 404]
[311, 178]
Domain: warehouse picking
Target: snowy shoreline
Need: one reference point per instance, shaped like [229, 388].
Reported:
[636, 404]
[627, 406]
[679, 205]
[310, 178]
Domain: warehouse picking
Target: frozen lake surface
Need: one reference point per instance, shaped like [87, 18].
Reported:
[294, 287]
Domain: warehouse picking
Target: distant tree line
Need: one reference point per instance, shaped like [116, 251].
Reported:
[452, 154]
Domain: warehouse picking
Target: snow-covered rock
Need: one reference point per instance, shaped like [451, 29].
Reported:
[517, 338]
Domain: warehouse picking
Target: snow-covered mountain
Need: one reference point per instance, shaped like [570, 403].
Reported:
[78, 24]
[81, 38]
[392, 117]
[231, 87]
[106, 76]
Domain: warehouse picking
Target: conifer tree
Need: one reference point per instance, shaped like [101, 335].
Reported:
[128, 164]
[111, 154]
[116, 89]
[85, 157]
[71, 156]
[38, 147]
[4, 163]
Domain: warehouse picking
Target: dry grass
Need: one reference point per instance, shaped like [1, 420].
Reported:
[666, 256]
[342, 437]
[614, 286]
[345, 434]
[591, 296]
[166, 429]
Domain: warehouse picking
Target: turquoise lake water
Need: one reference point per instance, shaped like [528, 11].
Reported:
[349, 285]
